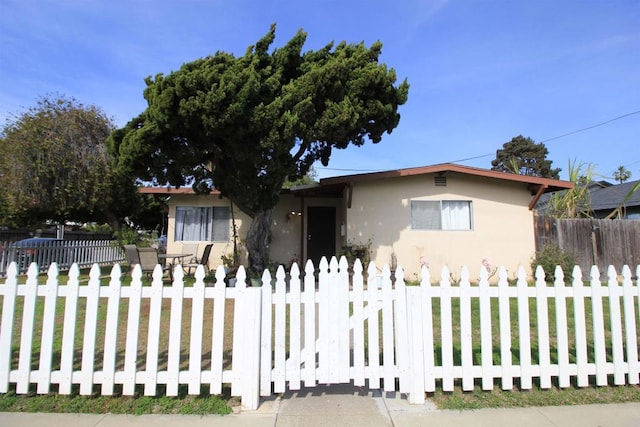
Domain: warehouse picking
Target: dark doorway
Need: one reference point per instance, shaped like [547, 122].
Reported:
[321, 233]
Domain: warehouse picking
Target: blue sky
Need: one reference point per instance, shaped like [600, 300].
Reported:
[481, 72]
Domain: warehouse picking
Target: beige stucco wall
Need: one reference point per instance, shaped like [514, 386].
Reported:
[502, 225]
[285, 239]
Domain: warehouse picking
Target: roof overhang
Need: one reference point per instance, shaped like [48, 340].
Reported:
[334, 186]
[536, 185]
[169, 191]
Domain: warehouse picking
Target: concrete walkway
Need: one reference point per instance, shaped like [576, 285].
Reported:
[346, 405]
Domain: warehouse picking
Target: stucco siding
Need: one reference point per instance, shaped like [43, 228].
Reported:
[501, 229]
[285, 238]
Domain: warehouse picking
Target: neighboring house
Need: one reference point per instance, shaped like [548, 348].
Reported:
[606, 200]
[440, 215]
[618, 200]
[542, 206]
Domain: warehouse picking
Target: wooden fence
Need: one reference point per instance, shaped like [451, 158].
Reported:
[592, 241]
[316, 327]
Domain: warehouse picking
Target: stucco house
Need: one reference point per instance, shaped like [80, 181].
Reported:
[444, 214]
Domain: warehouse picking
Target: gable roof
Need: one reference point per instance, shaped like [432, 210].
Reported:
[611, 197]
[536, 185]
[334, 185]
[534, 181]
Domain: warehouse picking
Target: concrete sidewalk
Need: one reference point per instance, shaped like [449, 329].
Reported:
[346, 405]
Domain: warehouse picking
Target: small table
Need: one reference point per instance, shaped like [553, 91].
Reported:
[175, 258]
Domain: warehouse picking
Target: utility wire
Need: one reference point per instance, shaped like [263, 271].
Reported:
[591, 127]
[491, 154]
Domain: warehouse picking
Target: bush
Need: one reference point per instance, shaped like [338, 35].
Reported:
[126, 236]
[549, 257]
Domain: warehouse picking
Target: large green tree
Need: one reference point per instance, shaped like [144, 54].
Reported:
[246, 124]
[54, 163]
[523, 156]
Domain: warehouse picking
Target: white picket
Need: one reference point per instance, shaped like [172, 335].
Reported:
[251, 303]
[599, 345]
[89, 336]
[134, 293]
[9, 292]
[388, 350]
[415, 322]
[373, 325]
[343, 333]
[196, 335]
[239, 318]
[112, 293]
[333, 310]
[309, 354]
[358, 325]
[617, 356]
[562, 334]
[579, 316]
[446, 330]
[402, 331]
[175, 332]
[71, 292]
[153, 336]
[427, 330]
[217, 337]
[324, 319]
[524, 338]
[466, 337]
[486, 336]
[506, 360]
[542, 313]
[50, 294]
[26, 334]
[633, 372]
[279, 346]
[293, 372]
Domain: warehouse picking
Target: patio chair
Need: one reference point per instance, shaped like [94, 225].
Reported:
[131, 254]
[204, 260]
[149, 259]
[190, 248]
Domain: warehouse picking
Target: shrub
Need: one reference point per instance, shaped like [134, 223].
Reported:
[549, 257]
[126, 236]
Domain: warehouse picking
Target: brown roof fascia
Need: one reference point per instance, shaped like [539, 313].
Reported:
[169, 190]
[546, 184]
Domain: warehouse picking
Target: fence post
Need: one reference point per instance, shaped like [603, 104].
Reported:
[251, 370]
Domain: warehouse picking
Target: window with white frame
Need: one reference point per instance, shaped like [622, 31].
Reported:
[199, 223]
[440, 215]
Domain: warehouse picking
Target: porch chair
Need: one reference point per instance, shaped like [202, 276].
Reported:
[131, 254]
[204, 260]
[190, 248]
[149, 259]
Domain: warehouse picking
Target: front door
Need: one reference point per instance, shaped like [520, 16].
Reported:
[321, 233]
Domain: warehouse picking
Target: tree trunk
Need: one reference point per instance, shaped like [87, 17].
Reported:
[258, 237]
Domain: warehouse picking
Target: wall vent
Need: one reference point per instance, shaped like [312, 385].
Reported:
[440, 181]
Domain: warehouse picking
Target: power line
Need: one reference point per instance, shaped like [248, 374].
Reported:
[591, 127]
[491, 154]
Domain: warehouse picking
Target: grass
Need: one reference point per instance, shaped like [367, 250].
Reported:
[206, 403]
[554, 396]
[183, 404]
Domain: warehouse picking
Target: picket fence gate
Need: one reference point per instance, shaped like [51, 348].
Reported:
[334, 325]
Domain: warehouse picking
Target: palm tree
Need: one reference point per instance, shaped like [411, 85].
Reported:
[621, 174]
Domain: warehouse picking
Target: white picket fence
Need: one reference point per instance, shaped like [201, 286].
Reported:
[316, 327]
